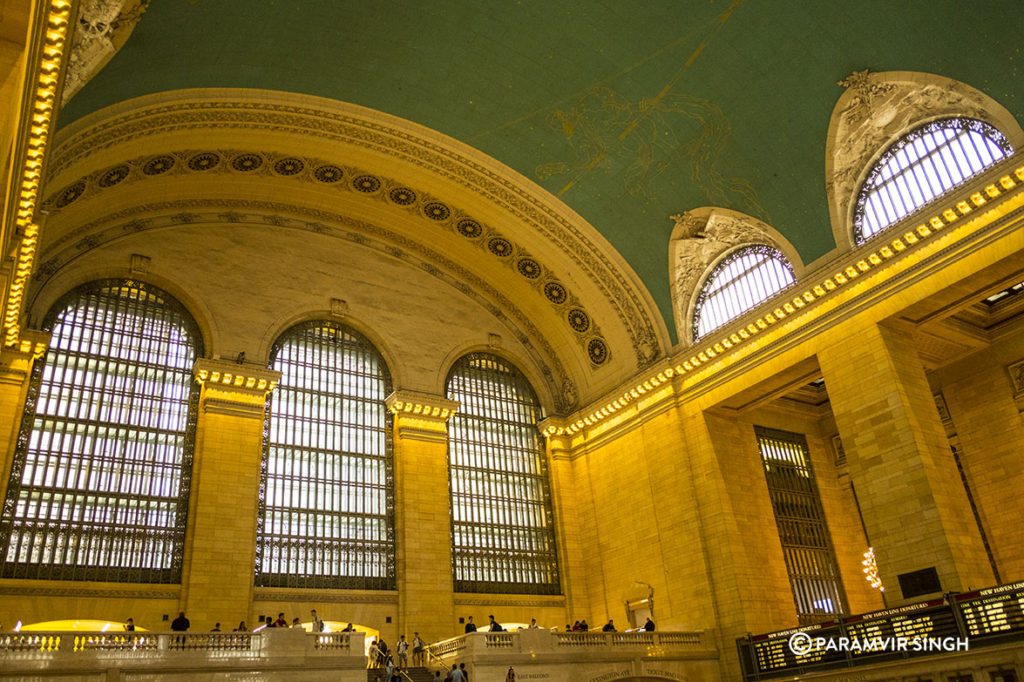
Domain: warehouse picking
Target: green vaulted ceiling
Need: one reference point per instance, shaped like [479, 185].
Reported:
[627, 110]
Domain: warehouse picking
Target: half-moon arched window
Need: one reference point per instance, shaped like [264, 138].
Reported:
[101, 473]
[503, 536]
[326, 515]
[922, 165]
[744, 279]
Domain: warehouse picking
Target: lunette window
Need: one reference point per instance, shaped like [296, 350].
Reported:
[743, 280]
[503, 537]
[326, 515]
[924, 164]
[101, 474]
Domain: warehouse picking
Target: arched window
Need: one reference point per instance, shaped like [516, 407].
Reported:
[502, 530]
[922, 165]
[742, 280]
[326, 516]
[100, 480]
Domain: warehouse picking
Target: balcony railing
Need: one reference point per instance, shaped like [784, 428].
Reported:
[479, 646]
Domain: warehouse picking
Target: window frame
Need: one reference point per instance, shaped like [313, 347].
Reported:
[289, 579]
[704, 294]
[881, 166]
[72, 571]
[544, 532]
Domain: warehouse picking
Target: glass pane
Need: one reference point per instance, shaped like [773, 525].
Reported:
[99, 486]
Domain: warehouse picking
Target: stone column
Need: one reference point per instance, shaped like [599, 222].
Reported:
[423, 541]
[15, 374]
[220, 546]
[914, 506]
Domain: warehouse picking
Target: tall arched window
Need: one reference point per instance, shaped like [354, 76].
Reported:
[503, 536]
[922, 165]
[326, 517]
[741, 281]
[100, 480]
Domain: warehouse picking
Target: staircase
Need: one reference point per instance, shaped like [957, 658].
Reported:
[408, 674]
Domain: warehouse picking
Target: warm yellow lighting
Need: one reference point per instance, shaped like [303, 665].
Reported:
[1019, 173]
[977, 199]
[992, 191]
[875, 259]
[950, 215]
[924, 231]
[871, 570]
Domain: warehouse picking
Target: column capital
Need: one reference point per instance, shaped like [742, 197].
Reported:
[421, 416]
[559, 440]
[422, 405]
[16, 361]
[230, 388]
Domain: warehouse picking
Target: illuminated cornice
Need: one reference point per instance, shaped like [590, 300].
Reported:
[42, 78]
[956, 206]
[220, 373]
[423, 405]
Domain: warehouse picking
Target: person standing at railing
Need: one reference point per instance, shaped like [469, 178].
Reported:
[609, 626]
[216, 627]
[180, 624]
[280, 622]
[316, 624]
[241, 627]
[470, 625]
[648, 626]
[533, 624]
[583, 625]
[129, 626]
[495, 626]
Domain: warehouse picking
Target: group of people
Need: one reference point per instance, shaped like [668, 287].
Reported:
[581, 626]
[394, 661]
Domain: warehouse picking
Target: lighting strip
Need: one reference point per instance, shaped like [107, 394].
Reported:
[47, 76]
[908, 240]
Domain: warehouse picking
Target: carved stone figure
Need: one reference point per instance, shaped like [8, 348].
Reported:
[103, 26]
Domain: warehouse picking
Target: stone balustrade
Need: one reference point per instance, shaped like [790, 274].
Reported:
[83, 655]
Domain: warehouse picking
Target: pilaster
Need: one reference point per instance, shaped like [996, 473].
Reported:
[422, 520]
[217, 581]
[914, 506]
[568, 512]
